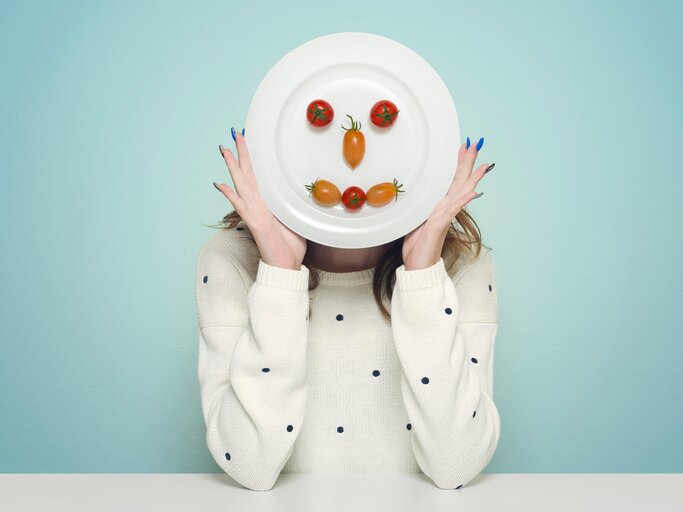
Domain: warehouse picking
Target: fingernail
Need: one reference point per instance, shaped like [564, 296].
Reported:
[480, 143]
[220, 148]
[478, 195]
[489, 168]
[216, 185]
[242, 132]
[468, 143]
[232, 131]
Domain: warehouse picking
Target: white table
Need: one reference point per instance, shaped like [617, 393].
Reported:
[624, 492]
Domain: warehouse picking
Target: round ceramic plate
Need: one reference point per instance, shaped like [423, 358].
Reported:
[352, 71]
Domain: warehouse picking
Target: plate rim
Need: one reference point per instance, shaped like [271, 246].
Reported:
[369, 45]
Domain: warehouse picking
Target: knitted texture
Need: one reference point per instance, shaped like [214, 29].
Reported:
[346, 390]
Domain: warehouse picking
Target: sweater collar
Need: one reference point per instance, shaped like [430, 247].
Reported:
[346, 278]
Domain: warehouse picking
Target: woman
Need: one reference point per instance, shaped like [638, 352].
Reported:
[304, 368]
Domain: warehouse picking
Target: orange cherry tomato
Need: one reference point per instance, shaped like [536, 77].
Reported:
[383, 193]
[324, 192]
[354, 143]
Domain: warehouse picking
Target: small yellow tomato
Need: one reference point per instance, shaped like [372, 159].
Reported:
[354, 143]
[324, 192]
[383, 193]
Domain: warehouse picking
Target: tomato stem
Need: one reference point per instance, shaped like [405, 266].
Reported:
[355, 125]
[318, 113]
[397, 187]
[311, 187]
[387, 117]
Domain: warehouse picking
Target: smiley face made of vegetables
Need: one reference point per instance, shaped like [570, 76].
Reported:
[383, 114]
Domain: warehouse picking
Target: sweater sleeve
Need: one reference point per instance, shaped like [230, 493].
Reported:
[251, 365]
[446, 391]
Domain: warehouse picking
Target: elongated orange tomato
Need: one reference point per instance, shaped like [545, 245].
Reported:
[324, 192]
[383, 193]
[354, 143]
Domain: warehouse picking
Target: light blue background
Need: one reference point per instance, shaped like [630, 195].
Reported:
[111, 118]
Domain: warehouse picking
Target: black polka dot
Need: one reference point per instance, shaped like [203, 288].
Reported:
[490, 288]
[409, 426]
[206, 278]
[340, 317]
[265, 370]
[474, 414]
[340, 429]
[227, 455]
[449, 311]
[474, 360]
[289, 428]
[375, 373]
[240, 229]
[458, 487]
[425, 380]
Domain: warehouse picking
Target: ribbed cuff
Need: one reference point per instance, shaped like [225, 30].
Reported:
[282, 277]
[421, 278]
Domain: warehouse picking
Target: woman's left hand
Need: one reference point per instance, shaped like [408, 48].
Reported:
[422, 246]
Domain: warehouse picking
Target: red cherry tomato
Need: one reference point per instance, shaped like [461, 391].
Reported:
[353, 198]
[319, 113]
[383, 114]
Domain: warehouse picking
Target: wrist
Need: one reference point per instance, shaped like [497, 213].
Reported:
[412, 268]
[420, 278]
[282, 277]
[280, 264]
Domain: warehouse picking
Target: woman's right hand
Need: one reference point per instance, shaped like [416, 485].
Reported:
[279, 245]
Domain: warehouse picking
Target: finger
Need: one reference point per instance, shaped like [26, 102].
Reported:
[463, 168]
[479, 174]
[236, 172]
[470, 197]
[462, 153]
[232, 196]
[469, 157]
[243, 153]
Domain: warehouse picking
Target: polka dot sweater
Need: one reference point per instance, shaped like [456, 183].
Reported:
[346, 390]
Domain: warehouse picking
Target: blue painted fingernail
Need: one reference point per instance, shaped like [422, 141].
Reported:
[480, 143]
[232, 131]
[468, 143]
[242, 132]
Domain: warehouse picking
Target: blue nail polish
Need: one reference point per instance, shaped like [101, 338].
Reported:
[232, 131]
[242, 132]
[468, 143]
[480, 143]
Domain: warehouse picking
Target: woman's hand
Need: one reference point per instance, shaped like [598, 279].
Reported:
[422, 246]
[279, 245]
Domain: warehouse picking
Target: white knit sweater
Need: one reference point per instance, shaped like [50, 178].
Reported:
[346, 391]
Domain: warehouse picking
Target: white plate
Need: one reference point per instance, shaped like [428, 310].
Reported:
[352, 71]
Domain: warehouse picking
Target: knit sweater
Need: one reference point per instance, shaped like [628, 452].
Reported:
[346, 390]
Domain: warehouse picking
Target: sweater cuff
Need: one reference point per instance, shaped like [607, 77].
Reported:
[282, 277]
[420, 278]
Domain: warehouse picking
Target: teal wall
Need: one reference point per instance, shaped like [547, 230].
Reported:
[111, 118]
